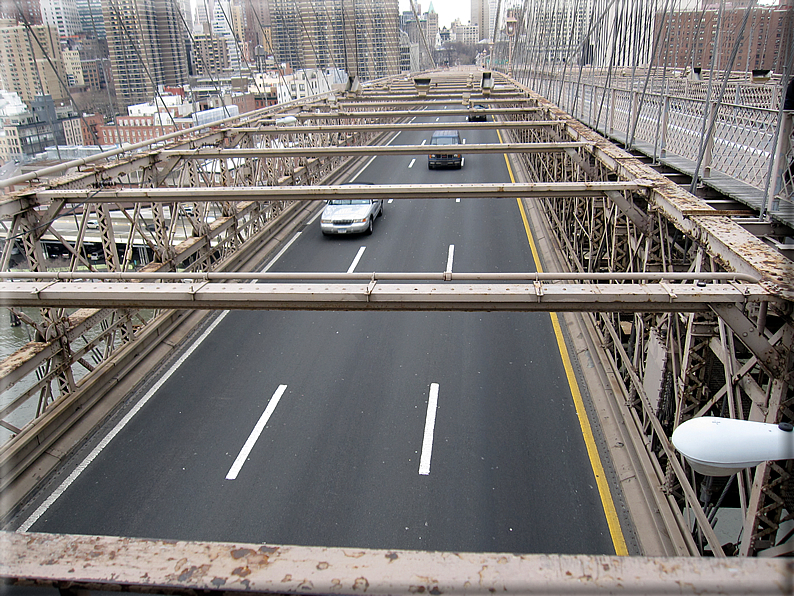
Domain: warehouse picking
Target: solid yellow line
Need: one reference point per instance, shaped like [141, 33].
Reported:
[618, 540]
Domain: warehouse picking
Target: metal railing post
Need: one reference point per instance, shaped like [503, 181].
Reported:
[611, 111]
[782, 148]
[633, 114]
[709, 141]
[665, 122]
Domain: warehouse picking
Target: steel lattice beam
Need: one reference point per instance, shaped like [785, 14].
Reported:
[297, 193]
[225, 153]
[529, 297]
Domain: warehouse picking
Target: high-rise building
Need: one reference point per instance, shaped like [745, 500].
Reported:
[203, 17]
[359, 36]
[62, 15]
[690, 37]
[90, 14]
[481, 16]
[430, 24]
[146, 41]
[257, 25]
[227, 24]
[468, 34]
[21, 11]
[210, 55]
[24, 67]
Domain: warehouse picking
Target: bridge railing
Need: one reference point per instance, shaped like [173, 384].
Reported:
[669, 117]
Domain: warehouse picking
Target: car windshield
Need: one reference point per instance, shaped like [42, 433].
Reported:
[349, 202]
[444, 141]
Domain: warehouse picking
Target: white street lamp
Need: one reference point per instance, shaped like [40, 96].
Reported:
[724, 446]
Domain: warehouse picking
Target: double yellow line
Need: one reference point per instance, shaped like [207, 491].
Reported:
[618, 540]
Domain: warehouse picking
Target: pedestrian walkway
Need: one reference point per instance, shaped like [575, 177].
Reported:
[780, 211]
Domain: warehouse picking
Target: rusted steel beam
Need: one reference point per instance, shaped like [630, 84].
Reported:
[331, 128]
[360, 295]
[176, 567]
[460, 111]
[297, 193]
[225, 153]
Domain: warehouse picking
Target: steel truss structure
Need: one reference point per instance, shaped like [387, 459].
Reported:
[711, 364]
[207, 200]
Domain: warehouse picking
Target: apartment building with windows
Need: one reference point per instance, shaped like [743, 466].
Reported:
[24, 68]
[358, 36]
[147, 45]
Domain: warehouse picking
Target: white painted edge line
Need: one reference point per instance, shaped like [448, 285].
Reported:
[315, 216]
[361, 171]
[390, 201]
[254, 436]
[356, 260]
[457, 200]
[439, 118]
[55, 495]
[464, 140]
[413, 161]
[281, 252]
[450, 255]
[371, 159]
[430, 425]
[424, 141]
[116, 430]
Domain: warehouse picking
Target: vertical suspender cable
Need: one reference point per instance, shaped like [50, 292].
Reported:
[713, 121]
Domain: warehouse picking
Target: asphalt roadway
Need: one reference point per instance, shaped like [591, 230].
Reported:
[332, 409]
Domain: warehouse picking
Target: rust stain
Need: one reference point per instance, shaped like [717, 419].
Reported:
[306, 585]
[241, 571]
[355, 555]
[322, 565]
[361, 583]
[392, 556]
[179, 564]
[287, 578]
[218, 582]
[435, 591]
[268, 550]
[416, 589]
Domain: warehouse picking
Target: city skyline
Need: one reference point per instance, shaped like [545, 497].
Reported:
[447, 10]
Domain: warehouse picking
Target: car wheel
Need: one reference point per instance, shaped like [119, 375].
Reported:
[369, 227]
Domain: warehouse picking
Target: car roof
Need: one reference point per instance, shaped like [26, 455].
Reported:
[445, 133]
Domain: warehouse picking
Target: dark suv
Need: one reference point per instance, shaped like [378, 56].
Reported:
[444, 138]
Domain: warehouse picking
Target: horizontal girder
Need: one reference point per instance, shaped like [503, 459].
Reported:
[218, 153]
[329, 128]
[297, 193]
[463, 111]
[375, 295]
[187, 568]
